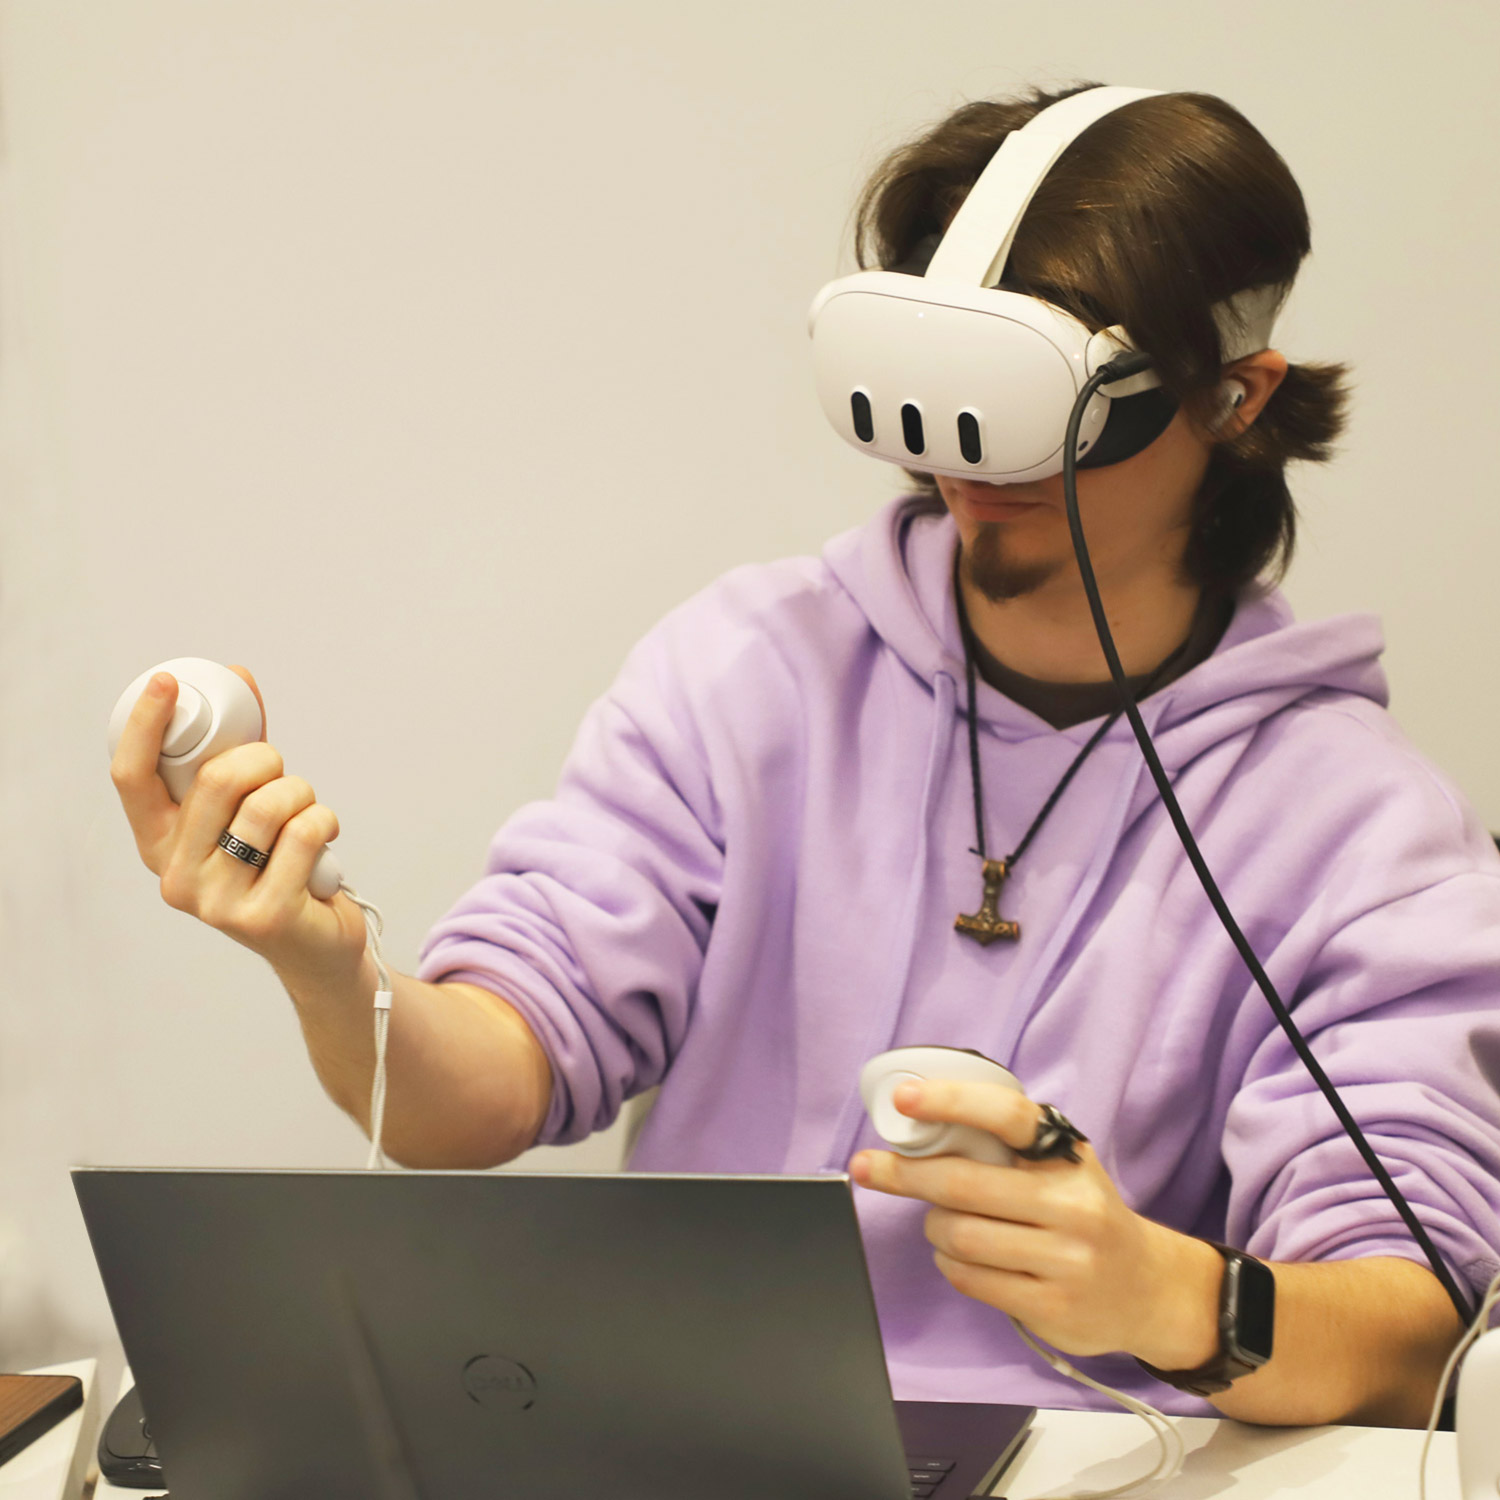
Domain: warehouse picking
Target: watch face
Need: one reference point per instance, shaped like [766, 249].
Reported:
[1254, 1309]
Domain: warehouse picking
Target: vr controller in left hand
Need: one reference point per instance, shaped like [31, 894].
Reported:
[883, 1075]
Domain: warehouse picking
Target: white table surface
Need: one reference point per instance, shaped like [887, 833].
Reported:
[1069, 1452]
[53, 1467]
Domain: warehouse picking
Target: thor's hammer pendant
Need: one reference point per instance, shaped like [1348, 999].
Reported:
[986, 924]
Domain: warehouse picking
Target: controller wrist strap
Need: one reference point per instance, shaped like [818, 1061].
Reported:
[384, 993]
[1171, 1449]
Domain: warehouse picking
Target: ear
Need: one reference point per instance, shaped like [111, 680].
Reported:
[1258, 375]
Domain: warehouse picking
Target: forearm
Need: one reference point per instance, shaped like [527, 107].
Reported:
[1356, 1341]
[468, 1084]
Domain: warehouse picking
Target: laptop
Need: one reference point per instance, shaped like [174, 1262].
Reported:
[447, 1335]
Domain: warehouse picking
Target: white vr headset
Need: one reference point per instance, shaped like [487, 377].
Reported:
[948, 373]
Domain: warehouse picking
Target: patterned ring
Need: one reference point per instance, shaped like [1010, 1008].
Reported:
[1056, 1136]
[241, 850]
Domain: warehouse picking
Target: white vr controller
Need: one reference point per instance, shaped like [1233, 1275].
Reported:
[1478, 1432]
[215, 712]
[882, 1076]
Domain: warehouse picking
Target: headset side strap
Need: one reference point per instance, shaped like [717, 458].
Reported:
[1246, 319]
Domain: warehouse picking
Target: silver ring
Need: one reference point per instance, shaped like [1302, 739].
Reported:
[241, 850]
[1056, 1136]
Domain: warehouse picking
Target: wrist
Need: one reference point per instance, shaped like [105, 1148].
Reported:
[1181, 1331]
[330, 987]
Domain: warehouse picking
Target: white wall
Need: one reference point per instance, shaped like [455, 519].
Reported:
[421, 354]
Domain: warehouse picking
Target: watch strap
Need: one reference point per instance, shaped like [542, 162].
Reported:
[1233, 1359]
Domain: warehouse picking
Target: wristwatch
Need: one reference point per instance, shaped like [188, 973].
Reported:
[1247, 1326]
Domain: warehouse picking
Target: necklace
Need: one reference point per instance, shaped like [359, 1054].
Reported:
[986, 925]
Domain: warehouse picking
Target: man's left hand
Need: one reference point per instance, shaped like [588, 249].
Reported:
[1052, 1243]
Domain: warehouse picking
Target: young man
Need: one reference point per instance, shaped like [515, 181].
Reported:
[748, 880]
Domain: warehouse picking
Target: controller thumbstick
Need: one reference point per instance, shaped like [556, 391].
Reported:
[191, 721]
[900, 1131]
[883, 1075]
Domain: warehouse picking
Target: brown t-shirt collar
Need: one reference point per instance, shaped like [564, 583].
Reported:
[1064, 704]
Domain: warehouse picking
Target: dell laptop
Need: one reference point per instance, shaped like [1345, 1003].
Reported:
[457, 1335]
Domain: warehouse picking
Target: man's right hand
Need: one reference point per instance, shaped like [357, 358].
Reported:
[244, 790]
[470, 1083]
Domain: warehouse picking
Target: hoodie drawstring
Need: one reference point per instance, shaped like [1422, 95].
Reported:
[1035, 987]
[884, 1016]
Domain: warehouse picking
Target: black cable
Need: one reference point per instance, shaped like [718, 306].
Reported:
[1121, 368]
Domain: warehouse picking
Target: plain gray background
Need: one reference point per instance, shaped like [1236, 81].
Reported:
[420, 355]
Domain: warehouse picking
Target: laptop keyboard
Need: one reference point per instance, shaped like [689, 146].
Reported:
[927, 1474]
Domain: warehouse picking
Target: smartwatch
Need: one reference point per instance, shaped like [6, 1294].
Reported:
[1247, 1326]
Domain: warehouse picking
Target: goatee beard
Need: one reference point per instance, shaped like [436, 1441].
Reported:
[997, 576]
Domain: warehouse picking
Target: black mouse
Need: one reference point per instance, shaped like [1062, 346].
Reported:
[127, 1452]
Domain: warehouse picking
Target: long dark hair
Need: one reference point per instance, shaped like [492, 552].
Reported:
[1155, 213]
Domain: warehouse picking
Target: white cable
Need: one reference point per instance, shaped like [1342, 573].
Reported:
[374, 926]
[1169, 1440]
[1481, 1322]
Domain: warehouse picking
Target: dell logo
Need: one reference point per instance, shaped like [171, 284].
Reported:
[499, 1383]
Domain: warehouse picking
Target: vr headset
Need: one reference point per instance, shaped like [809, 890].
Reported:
[950, 373]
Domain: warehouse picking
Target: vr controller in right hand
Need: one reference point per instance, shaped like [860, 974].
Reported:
[216, 711]
[883, 1075]
[204, 747]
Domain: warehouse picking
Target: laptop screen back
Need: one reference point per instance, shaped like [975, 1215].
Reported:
[435, 1336]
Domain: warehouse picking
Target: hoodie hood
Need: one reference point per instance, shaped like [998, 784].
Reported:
[899, 572]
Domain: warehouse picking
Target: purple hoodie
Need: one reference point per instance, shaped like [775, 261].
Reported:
[746, 885]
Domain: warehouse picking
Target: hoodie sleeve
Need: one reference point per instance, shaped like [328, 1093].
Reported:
[595, 907]
[1401, 1005]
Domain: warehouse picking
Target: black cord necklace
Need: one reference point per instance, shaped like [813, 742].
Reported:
[986, 925]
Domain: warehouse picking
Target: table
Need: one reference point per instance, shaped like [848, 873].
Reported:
[1072, 1451]
[53, 1467]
